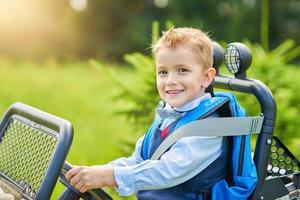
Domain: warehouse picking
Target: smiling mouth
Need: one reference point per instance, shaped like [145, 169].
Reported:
[174, 91]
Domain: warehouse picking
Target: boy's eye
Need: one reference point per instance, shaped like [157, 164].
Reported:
[182, 70]
[162, 72]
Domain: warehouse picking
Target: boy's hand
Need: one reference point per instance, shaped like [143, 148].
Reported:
[84, 178]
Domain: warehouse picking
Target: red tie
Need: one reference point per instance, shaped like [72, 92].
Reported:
[164, 133]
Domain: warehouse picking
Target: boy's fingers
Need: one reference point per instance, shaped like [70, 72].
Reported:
[78, 185]
[83, 189]
[75, 179]
[72, 172]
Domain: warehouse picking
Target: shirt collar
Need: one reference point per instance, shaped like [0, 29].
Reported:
[190, 105]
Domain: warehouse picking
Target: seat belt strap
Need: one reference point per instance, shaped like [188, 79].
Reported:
[223, 126]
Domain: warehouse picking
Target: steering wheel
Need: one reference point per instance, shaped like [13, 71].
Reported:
[72, 193]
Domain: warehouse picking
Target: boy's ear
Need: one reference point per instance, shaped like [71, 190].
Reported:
[208, 77]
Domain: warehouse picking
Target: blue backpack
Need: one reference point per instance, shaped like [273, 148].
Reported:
[243, 172]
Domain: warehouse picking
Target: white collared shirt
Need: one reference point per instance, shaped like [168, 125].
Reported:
[183, 109]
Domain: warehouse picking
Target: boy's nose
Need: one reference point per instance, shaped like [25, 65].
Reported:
[171, 79]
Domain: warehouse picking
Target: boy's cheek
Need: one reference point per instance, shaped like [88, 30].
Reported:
[161, 95]
[160, 89]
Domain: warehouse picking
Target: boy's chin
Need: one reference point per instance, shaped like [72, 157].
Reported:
[175, 104]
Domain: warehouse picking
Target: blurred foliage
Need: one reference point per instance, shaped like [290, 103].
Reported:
[107, 30]
[140, 92]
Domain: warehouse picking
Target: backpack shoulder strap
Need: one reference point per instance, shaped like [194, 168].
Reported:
[204, 109]
[148, 136]
[226, 126]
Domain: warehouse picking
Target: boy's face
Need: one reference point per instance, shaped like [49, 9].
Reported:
[180, 78]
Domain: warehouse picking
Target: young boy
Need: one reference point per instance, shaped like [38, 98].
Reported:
[183, 58]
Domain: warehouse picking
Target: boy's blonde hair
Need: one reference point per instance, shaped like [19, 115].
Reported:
[200, 43]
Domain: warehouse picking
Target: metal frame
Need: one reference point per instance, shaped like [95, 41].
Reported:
[65, 136]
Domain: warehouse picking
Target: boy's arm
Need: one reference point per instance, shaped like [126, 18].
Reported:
[186, 158]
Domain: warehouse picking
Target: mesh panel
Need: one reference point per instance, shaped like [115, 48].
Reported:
[281, 161]
[25, 151]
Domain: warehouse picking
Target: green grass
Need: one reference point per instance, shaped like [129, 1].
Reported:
[78, 93]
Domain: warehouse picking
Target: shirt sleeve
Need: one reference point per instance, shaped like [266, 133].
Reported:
[134, 159]
[186, 158]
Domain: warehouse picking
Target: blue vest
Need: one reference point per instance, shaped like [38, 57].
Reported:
[212, 178]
